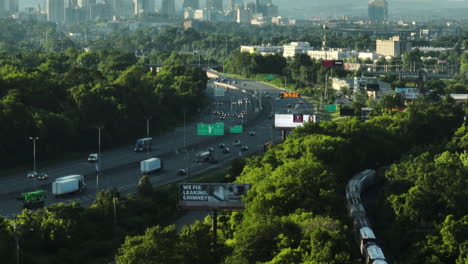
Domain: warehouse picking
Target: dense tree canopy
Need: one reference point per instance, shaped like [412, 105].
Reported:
[63, 97]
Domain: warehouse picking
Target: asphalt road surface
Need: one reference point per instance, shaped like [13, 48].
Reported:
[177, 149]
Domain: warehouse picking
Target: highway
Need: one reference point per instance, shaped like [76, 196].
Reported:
[120, 166]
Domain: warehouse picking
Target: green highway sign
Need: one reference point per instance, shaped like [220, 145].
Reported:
[210, 129]
[330, 108]
[236, 130]
[268, 77]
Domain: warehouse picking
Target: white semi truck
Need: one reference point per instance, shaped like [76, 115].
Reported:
[68, 184]
[149, 166]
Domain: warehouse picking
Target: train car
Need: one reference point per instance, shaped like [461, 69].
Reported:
[360, 222]
[367, 178]
[366, 236]
[373, 254]
[357, 210]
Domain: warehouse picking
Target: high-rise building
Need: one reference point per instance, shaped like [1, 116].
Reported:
[193, 4]
[216, 5]
[378, 10]
[235, 4]
[168, 7]
[143, 6]
[55, 11]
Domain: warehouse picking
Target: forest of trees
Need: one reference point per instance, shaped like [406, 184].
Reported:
[295, 211]
[63, 97]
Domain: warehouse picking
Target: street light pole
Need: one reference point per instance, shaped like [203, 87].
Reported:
[148, 118]
[34, 157]
[185, 146]
[98, 166]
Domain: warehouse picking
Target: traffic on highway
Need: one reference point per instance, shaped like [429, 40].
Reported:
[184, 153]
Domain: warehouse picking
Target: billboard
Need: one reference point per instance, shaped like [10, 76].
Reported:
[293, 120]
[332, 63]
[346, 111]
[210, 129]
[202, 196]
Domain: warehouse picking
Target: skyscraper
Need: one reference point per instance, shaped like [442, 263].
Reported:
[193, 4]
[143, 6]
[378, 10]
[235, 4]
[216, 5]
[168, 7]
[55, 10]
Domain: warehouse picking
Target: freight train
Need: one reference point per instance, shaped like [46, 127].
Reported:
[369, 248]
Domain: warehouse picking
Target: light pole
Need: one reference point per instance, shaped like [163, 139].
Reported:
[34, 156]
[185, 146]
[148, 118]
[98, 164]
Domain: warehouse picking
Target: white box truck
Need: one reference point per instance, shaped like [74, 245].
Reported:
[150, 165]
[68, 184]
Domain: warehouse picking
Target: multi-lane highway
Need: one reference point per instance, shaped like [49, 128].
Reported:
[177, 148]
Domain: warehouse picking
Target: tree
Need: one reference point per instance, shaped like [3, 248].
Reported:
[157, 246]
[145, 188]
[195, 243]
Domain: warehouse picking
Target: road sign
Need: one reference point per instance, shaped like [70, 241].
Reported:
[219, 91]
[330, 108]
[295, 95]
[236, 130]
[268, 77]
[210, 129]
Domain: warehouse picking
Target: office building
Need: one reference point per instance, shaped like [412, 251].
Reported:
[295, 48]
[168, 7]
[243, 16]
[216, 5]
[270, 10]
[330, 54]
[392, 47]
[143, 6]
[378, 10]
[55, 10]
[193, 4]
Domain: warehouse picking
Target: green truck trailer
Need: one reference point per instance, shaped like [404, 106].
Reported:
[34, 199]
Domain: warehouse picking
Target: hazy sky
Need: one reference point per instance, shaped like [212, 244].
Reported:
[308, 8]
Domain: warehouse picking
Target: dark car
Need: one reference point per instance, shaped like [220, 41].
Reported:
[226, 150]
[210, 150]
[221, 146]
[252, 133]
[244, 148]
[42, 176]
[181, 172]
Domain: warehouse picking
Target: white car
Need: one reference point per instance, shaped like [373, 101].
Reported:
[236, 143]
[93, 157]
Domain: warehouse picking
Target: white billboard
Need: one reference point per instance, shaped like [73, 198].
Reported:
[293, 120]
[202, 196]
